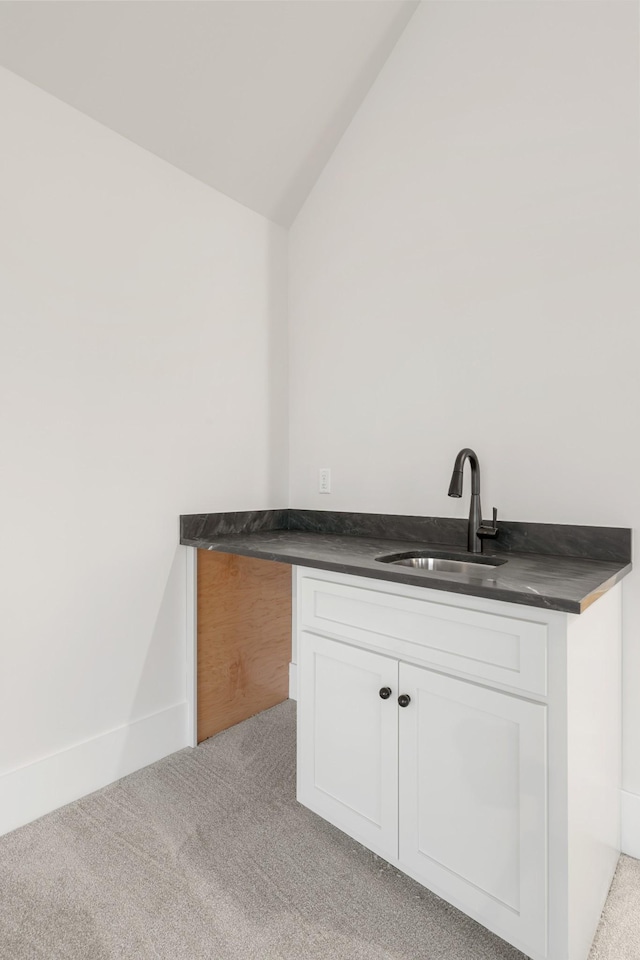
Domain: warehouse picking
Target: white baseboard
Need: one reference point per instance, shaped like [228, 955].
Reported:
[630, 840]
[293, 681]
[29, 792]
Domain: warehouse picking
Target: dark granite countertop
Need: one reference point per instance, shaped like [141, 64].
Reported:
[554, 581]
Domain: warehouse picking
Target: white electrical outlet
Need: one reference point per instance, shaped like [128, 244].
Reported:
[324, 480]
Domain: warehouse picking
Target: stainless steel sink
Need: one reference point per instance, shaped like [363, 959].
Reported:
[444, 563]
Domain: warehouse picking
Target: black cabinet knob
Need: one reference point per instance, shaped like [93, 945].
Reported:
[385, 693]
[404, 699]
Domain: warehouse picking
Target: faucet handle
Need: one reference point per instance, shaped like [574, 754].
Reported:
[484, 530]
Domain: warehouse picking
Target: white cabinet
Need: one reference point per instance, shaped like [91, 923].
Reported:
[473, 792]
[348, 738]
[489, 785]
[468, 766]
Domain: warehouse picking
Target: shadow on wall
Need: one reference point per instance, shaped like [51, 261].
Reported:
[153, 730]
[153, 734]
[277, 445]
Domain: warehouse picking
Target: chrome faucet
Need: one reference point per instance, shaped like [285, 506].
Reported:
[477, 530]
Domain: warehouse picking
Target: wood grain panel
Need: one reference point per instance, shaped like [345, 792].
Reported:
[244, 638]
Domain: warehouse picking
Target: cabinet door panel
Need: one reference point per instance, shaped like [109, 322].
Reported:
[473, 801]
[347, 740]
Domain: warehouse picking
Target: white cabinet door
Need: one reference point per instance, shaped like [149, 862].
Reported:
[473, 801]
[348, 740]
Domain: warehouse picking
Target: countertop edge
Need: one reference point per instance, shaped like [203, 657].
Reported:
[604, 587]
[560, 604]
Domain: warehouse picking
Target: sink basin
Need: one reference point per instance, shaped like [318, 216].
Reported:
[444, 563]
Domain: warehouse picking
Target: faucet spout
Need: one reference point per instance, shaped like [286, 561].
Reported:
[474, 540]
[455, 487]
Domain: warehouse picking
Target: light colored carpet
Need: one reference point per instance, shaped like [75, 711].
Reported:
[207, 856]
[618, 936]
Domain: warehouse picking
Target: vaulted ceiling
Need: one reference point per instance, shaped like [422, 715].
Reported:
[249, 96]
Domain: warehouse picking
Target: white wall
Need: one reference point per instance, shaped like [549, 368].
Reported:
[142, 375]
[464, 273]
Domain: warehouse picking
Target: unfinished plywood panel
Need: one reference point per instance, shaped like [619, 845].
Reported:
[244, 638]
